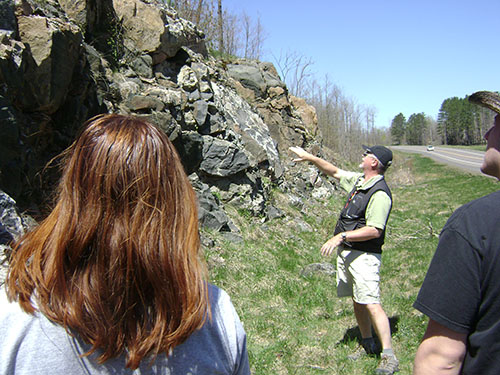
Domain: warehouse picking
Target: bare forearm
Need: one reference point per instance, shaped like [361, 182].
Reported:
[357, 235]
[362, 234]
[324, 166]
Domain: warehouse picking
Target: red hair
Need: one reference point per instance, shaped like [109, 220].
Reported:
[117, 260]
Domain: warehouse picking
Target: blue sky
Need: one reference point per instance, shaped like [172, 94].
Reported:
[396, 56]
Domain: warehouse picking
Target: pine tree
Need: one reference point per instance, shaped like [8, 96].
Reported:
[398, 128]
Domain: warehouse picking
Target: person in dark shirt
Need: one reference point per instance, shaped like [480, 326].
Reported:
[461, 291]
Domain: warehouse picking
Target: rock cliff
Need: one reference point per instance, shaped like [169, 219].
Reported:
[61, 62]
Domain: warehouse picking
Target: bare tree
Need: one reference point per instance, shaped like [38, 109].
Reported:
[247, 32]
[258, 40]
[232, 35]
[294, 69]
[344, 124]
[221, 26]
[253, 37]
[223, 30]
[370, 133]
[198, 12]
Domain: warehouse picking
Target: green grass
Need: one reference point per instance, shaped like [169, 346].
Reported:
[481, 147]
[296, 324]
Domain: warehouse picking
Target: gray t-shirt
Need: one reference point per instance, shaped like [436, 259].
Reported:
[32, 344]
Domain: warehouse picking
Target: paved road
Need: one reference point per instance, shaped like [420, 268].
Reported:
[467, 160]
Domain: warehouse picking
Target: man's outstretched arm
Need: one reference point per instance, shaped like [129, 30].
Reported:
[322, 165]
[441, 352]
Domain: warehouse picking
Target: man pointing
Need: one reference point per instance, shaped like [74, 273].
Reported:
[358, 238]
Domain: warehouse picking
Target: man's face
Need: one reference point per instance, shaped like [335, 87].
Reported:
[491, 160]
[368, 160]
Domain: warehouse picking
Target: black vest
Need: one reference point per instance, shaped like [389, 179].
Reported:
[352, 216]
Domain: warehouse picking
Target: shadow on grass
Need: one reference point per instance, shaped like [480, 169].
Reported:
[354, 334]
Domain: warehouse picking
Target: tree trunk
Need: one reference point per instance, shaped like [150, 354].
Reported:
[221, 28]
[198, 12]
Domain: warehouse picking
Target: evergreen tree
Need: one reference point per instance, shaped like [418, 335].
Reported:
[459, 122]
[416, 128]
[398, 128]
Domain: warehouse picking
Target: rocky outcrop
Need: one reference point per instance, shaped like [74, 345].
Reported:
[61, 62]
[290, 120]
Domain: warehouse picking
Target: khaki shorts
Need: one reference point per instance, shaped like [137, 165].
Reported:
[358, 276]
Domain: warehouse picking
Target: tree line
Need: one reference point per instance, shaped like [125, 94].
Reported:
[458, 123]
[419, 129]
[463, 123]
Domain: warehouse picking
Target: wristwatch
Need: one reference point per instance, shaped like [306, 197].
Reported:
[344, 236]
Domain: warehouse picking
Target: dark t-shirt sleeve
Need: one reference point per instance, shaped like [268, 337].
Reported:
[451, 291]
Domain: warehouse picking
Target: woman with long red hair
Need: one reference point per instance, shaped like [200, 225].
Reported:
[112, 280]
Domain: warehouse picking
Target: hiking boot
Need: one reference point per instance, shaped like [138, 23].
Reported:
[388, 365]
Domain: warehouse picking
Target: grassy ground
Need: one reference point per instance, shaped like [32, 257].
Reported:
[481, 147]
[296, 324]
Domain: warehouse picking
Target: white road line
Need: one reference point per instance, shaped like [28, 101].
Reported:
[474, 163]
[475, 155]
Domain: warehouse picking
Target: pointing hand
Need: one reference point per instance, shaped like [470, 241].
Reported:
[300, 152]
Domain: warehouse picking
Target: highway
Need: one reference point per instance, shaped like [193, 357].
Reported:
[468, 160]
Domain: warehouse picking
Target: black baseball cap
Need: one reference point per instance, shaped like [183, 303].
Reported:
[382, 153]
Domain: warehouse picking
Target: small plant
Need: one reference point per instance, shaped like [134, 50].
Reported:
[217, 195]
[115, 40]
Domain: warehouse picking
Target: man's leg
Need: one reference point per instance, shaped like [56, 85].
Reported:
[363, 318]
[380, 323]
[366, 291]
[388, 364]
[365, 327]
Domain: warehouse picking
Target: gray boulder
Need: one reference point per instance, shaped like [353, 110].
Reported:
[150, 28]
[210, 213]
[10, 218]
[290, 121]
[252, 76]
[255, 135]
[222, 158]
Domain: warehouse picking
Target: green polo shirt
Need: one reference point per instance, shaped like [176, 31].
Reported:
[380, 203]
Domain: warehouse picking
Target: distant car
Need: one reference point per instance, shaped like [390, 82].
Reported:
[430, 148]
